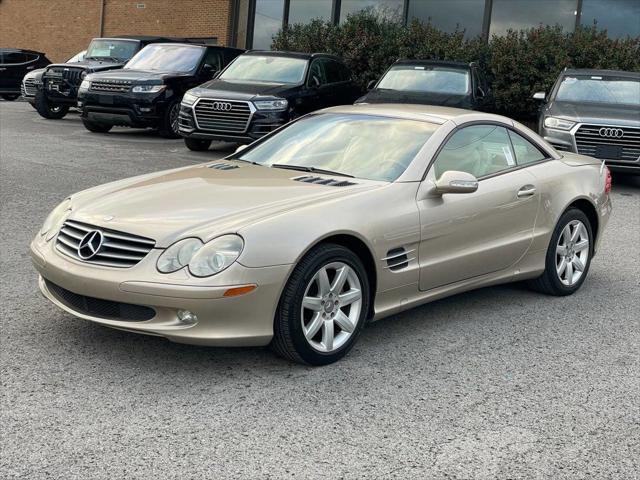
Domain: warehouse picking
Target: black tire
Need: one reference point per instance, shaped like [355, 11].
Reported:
[549, 282]
[48, 110]
[197, 144]
[10, 97]
[169, 123]
[289, 340]
[96, 127]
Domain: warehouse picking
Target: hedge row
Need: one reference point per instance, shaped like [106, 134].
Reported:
[518, 64]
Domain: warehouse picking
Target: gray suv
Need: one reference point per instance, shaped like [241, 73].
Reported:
[595, 113]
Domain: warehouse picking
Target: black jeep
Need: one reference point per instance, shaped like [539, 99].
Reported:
[14, 65]
[148, 90]
[60, 82]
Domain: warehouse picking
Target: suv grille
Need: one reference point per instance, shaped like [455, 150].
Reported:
[29, 88]
[110, 86]
[97, 307]
[70, 74]
[624, 148]
[225, 116]
[118, 249]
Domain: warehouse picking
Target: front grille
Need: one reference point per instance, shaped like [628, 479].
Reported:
[97, 307]
[225, 116]
[72, 75]
[29, 88]
[118, 249]
[625, 148]
[561, 147]
[118, 86]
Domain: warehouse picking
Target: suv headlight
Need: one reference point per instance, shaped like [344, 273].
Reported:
[189, 98]
[203, 260]
[85, 85]
[277, 104]
[148, 88]
[558, 123]
[49, 227]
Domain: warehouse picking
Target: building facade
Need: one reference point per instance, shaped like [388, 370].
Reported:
[61, 28]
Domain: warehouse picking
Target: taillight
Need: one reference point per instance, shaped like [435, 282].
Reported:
[607, 181]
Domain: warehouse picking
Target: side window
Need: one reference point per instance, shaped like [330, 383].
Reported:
[30, 57]
[525, 151]
[479, 150]
[333, 71]
[213, 58]
[14, 57]
[316, 73]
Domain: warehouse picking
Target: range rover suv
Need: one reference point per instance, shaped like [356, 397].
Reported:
[33, 79]
[60, 81]
[261, 91]
[148, 90]
[431, 82]
[14, 65]
[595, 113]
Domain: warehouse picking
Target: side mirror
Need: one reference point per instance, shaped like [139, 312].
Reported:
[240, 148]
[540, 96]
[452, 181]
[371, 84]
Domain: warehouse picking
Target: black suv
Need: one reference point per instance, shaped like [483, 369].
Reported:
[60, 81]
[431, 82]
[148, 90]
[261, 91]
[14, 65]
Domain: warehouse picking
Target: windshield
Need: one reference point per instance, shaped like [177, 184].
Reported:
[266, 69]
[426, 79]
[364, 146]
[166, 58]
[599, 89]
[117, 50]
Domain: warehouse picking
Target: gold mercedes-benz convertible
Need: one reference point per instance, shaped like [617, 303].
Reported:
[345, 216]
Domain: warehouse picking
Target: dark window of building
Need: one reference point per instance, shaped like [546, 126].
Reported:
[619, 17]
[303, 11]
[450, 15]
[519, 14]
[391, 9]
[267, 22]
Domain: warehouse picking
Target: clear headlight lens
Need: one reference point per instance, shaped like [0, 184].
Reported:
[278, 104]
[148, 88]
[85, 85]
[83, 74]
[217, 255]
[178, 255]
[559, 123]
[49, 228]
[189, 98]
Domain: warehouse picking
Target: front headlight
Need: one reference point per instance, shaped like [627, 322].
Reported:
[49, 228]
[558, 123]
[177, 256]
[189, 98]
[217, 255]
[83, 74]
[148, 88]
[85, 85]
[278, 104]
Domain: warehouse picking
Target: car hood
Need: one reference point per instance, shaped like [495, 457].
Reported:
[34, 73]
[89, 65]
[142, 76]
[241, 91]
[201, 201]
[604, 114]
[424, 98]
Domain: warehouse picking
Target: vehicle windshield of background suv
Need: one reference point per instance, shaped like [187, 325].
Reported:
[114, 50]
[599, 89]
[166, 58]
[417, 78]
[266, 69]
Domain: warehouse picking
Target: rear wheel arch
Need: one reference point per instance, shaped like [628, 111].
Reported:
[589, 209]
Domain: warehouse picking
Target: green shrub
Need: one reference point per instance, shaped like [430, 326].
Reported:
[519, 63]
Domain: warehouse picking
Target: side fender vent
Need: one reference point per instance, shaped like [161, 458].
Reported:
[331, 182]
[223, 166]
[398, 258]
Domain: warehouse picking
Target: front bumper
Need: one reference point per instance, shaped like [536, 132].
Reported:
[124, 109]
[245, 320]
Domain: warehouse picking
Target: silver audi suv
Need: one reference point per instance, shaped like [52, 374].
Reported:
[595, 113]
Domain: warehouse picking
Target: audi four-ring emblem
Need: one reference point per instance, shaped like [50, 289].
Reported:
[611, 132]
[221, 106]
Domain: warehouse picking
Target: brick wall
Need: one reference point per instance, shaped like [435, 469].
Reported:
[61, 28]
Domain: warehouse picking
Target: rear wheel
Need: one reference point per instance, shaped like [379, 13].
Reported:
[10, 97]
[323, 307]
[568, 257]
[197, 144]
[169, 123]
[49, 110]
[96, 127]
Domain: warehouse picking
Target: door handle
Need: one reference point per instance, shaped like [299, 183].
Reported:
[526, 191]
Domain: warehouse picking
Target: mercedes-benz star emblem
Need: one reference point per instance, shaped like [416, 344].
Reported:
[90, 244]
[611, 132]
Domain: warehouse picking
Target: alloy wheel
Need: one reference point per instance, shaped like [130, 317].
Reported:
[572, 252]
[173, 117]
[331, 307]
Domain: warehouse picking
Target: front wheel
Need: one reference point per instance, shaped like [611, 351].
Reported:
[323, 307]
[568, 257]
[49, 110]
[10, 97]
[96, 127]
[197, 144]
[169, 123]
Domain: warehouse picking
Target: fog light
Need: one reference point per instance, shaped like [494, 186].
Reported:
[185, 316]
[145, 109]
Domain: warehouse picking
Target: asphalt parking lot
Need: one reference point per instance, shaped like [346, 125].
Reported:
[497, 383]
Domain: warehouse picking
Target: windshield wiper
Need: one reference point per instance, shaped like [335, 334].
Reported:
[302, 168]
